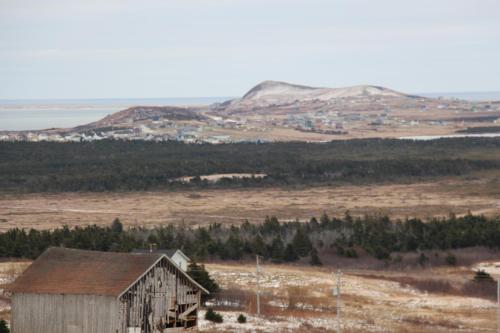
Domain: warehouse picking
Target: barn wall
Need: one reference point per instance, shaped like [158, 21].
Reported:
[64, 313]
[159, 297]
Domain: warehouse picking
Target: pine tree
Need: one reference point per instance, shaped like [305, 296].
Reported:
[259, 246]
[200, 275]
[277, 250]
[290, 254]
[301, 243]
[315, 261]
[117, 226]
[3, 326]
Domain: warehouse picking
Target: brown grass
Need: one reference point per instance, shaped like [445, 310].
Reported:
[431, 322]
[442, 285]
[44, 211]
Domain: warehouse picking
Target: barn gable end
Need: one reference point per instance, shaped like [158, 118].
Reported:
[68, 290]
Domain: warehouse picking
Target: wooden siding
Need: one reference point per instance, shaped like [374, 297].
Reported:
[156, 302]
[162, 300]
[64, 313]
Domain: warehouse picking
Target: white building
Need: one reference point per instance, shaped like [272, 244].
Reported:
[175, 255]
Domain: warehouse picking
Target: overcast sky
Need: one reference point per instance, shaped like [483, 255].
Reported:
[185, 48]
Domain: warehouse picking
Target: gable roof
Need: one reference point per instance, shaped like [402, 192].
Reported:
[71, 271]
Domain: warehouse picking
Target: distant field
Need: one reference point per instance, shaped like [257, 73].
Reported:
[479, 193]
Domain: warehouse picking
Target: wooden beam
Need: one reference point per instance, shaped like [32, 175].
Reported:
[188, 311]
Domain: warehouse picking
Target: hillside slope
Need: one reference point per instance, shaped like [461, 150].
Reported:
[281, 93]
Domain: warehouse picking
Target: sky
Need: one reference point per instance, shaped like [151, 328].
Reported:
[186, 48]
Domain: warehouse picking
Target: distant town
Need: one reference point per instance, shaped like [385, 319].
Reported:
[277, 111]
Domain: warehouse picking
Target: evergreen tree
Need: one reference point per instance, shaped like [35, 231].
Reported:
[117, 226]
[315, 261]
[259, 246]
[313, 224]
[3, 326]
[277, 249]
[200, 275]
[271, 226]
[290, 254]
[233, 248]
[301, 243]
[423, 259]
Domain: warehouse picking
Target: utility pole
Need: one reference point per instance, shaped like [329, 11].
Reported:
[498, 305]
[339, 305]
[258, 284]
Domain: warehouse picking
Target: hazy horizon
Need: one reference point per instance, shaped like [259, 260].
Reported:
[467, 95]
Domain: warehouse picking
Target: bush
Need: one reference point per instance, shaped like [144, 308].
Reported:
[482, 276]
[242, 319]
[351, 253]
[315, 261]
[213, 316]
[451, 260]
[423, 260]
[3, 327]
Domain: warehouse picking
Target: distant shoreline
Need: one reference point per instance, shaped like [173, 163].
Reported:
[39, 114]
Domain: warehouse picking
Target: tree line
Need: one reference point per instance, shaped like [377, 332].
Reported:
[378, 236]
[138, 165]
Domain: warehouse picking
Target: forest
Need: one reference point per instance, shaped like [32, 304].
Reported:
[138, 165]
[376, 236]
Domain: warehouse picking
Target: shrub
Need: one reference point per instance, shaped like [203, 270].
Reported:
[315, 261]
[242, 319]
[213, 316]
[451, 260]
[3, 327]
[482, 276]
[351, 253]
[422, 259]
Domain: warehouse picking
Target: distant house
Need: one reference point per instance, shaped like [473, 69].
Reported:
[176, 255]
[76, 291]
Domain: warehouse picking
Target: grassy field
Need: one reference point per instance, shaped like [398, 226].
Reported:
[299, 299]
[478, 193]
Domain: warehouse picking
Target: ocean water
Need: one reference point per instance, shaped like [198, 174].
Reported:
[20, 115]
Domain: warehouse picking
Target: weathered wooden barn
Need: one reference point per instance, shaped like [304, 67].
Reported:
[76, 291]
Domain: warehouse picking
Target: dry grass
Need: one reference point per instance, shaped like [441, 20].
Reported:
[45, 211]
[431, 322]
[372, 301]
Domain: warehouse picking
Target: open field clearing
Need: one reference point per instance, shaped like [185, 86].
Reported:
[369, 304]
[480, 195]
